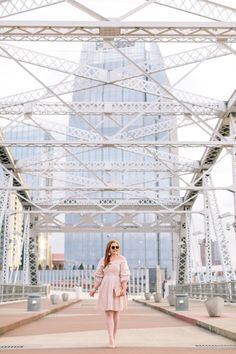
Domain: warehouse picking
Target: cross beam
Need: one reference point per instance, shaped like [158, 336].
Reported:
[117, 30]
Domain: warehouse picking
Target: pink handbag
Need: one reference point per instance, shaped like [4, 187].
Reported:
[117, 292]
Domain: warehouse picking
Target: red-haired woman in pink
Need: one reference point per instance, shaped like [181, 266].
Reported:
[111, 277]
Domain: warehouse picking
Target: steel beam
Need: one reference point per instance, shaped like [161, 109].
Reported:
[119, 143]
[14, 7]
[203, 8]
[118, 31]
[106, 166]
[115, 108]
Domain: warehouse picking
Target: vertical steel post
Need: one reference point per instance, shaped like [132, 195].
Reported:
[188, 249]
[221, 238]
[208, 248]
[26, 249]
[181, 261]
[233, 154]
[6, 233]
[33, 254]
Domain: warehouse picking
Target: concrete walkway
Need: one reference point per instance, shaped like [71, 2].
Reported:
[80, 328]
[15, 314]
[224, 325]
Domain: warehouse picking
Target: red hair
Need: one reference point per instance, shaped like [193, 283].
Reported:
[107, 256]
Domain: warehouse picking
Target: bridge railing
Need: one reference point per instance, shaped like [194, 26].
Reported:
[67, 280]
[201, 291]
[14, 292]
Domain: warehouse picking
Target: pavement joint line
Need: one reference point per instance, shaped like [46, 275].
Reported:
[221, 331]
[35, 317]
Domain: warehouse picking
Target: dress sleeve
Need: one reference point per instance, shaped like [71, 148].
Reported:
[99, 274]
[124, 271]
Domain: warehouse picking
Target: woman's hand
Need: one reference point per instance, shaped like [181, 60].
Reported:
[123, 292]
[92, 292]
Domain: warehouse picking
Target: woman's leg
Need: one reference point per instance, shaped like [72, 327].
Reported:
[110, 326]
[116, 317]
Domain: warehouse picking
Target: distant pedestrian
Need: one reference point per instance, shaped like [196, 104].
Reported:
[163, 287]
[111, 277]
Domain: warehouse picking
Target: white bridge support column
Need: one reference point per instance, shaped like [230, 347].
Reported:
[233, 151]
[188, 275]
[221, 238]
[182, 251]
[33, 254]
[4, 229]
[26, 249]
[208, 248]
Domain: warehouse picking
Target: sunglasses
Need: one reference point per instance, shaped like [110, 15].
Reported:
[115, 247]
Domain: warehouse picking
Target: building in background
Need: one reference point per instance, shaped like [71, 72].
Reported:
[44, 251]
[140, 249]
[15, 232]
[57, 261]
[27, 133]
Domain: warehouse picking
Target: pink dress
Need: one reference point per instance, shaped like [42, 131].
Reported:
[109, 278]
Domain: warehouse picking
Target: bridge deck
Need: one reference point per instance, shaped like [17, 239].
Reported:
[80, 328]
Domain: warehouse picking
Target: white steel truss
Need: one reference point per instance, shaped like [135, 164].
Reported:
[54, 63]
[136, 84]
[203, 8]
[26, 236]
[208, 239]
[5, 232]
[94, 73]
[119, 143]
[70, 182]
[172, 61]
[182, 252]
[161, 107]
[177, 165]
[189, 255]
[220, 234]
[117, 31]
[89, 223]
[33, 260]
[13, 7]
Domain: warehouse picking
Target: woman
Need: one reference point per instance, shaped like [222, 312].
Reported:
[111, 277]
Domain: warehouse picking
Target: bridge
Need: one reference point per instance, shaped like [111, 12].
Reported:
[115, 143]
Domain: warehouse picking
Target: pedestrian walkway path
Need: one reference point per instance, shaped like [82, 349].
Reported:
[14, 315]
[80, 328]
[224, 325]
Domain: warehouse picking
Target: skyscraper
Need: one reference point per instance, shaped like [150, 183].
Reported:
[141, 250]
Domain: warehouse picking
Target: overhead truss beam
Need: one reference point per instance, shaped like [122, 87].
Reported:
[13, 7]
[116, 108]
[7, 161]
[117, 30]
[115, 188]
[106, 166]
[136, 84]
[147, 204]
[54, 63]
[211, 153]
[119, 143]
[128, 71]
[172, 61]
[203, 8]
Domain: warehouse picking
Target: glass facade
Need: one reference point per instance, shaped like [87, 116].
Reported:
[140, 249]
[32, 154]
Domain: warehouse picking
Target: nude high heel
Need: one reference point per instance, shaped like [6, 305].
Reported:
[111, 342]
